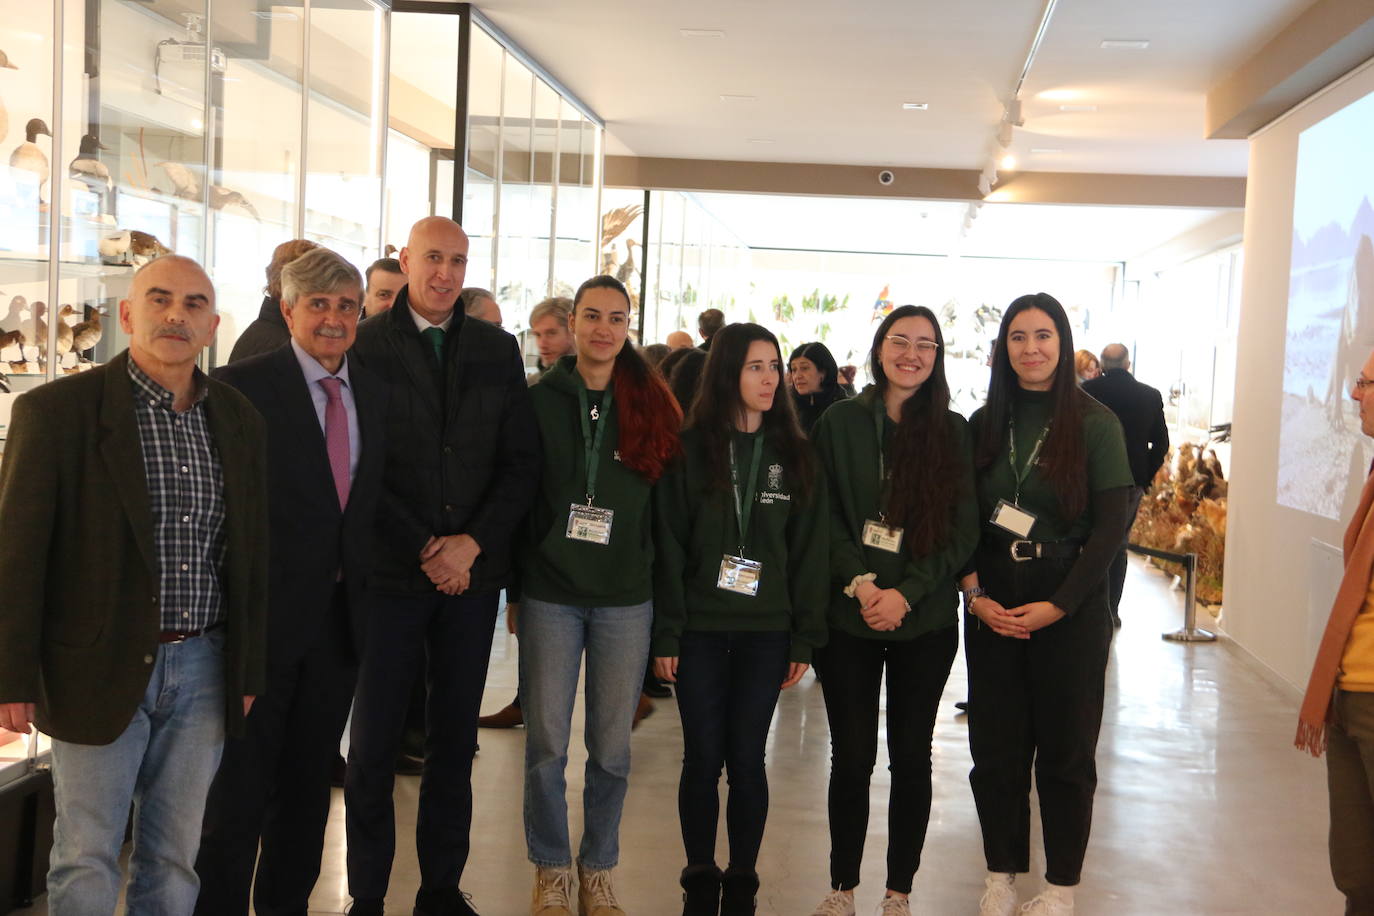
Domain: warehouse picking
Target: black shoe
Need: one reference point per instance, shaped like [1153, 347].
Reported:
[701, 890]
[365, 906]
[443, 901]
[962, 706]
[737, 889]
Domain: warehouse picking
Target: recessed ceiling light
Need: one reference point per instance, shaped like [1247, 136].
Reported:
[1044, 150]
[1125, 44]
[1078, 108]
[739, 98]
[701, 33]
[915, 106]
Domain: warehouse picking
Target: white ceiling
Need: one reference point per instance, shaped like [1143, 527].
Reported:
[829, 78]
[932, 227]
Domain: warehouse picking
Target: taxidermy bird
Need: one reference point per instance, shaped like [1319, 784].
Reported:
[5, 115]
[18, 305]
[627, 269]
[40, 328]
[90, 170]
[145, 247]
[65, 335]
[185, 184]
[29, 157]
[224, 197]
[87, 334]
[114, 249]
[12, 339]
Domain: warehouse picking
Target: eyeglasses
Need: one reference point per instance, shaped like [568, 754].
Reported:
[902, 344]
[1358, 386]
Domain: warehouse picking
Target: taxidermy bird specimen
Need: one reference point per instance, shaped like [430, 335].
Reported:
[87, 334]
[90, 170]
[29, 157]
[65, 335]
[186, 185]
[5, 115]
[144, 247]
[114, 249]
[14, 338]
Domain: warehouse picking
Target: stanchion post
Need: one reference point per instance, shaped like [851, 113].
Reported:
[1190, 631]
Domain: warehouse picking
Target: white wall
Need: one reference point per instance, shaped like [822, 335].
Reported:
[1280, 571]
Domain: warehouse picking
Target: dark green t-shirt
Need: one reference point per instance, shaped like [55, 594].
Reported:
[1107, 467]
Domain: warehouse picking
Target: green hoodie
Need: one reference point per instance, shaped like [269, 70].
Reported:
[554, 567]
[695, 526]
[846, 438]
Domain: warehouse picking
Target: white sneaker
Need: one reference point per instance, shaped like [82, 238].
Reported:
[1052, 901]
[999, 899]
[836, 903]
[893, 905]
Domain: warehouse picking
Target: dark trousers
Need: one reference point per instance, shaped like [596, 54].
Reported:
[273, 783]
[916, 672]
[1035, 702]
[1350, 784]
[727, 689]
[449, 639]
[1116, 575]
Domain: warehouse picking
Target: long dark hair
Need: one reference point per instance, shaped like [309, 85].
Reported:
[926, 478]
[1064, 456]
[718, 406]
[649, 415]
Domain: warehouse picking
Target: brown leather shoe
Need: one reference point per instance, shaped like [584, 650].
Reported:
[644, 710]
[509, 717]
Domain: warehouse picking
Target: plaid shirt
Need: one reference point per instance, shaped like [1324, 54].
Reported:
[186, 493]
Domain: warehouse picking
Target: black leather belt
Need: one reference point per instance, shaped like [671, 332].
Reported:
[1023, 551]
[173, 636]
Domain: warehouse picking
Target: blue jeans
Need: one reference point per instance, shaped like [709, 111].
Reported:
[552, 640]
[163, 763]
[727, 688]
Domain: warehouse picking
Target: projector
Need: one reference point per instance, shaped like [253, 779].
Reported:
[191, 52]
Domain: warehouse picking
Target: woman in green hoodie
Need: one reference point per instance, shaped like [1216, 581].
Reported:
[609, 427]
[739, 599]
[899, 465]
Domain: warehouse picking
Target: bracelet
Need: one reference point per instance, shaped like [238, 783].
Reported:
[973, 594]
[854, 583]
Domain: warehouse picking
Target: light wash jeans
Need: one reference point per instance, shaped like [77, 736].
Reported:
[163, 763]
[553, 638]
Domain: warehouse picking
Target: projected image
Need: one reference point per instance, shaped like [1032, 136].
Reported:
[1322, 455]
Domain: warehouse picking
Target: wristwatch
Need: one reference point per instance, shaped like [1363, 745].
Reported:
[973, 594]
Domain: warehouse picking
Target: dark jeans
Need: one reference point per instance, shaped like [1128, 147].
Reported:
[449, 638]
[273, 783]
[727, 689]
[1350, 784]
[1038, 702]
[916, 672]
[1116, 575]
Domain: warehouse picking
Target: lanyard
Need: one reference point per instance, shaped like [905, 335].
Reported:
[742, 511]
[1024, 472]
[591, 444]
[879, 415]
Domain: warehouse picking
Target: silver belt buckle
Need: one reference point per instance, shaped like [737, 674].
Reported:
[1017, 557]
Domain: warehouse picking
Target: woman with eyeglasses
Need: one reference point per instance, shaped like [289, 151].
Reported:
[899, 467]
[739, 602]
[1053, 489]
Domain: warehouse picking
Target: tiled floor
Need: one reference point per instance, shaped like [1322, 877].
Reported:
[1203, 806]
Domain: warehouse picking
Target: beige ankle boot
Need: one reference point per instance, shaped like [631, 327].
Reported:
[595, 896]
[552, 892]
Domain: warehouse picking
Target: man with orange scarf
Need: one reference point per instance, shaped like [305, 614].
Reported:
[1338, 710]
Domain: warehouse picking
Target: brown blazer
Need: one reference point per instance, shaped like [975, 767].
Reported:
[79, 617]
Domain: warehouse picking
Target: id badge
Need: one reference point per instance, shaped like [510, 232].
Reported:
[882, 536]
[739, 575]
[1011, 517]
[590, 523]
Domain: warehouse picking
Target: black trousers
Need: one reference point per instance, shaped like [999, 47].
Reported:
[1116, 576]
[853, 669]
[273, 783]
[448, 638]
[1035, 702]
[727, 689]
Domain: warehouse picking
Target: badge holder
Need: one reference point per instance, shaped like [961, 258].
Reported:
[1012, 518]
[739, 575]
[882, 536]
[590, 523]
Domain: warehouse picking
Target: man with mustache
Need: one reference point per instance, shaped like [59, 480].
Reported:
[150, 479]
[326, 422]
[462, 467]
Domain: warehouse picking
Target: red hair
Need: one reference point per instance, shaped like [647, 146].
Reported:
[650, 418]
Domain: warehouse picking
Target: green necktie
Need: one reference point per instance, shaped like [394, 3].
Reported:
[435, 336]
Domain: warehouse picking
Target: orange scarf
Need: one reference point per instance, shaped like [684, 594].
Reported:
[1359, 567]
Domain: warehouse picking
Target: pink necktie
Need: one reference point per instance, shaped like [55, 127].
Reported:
[336, 437]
